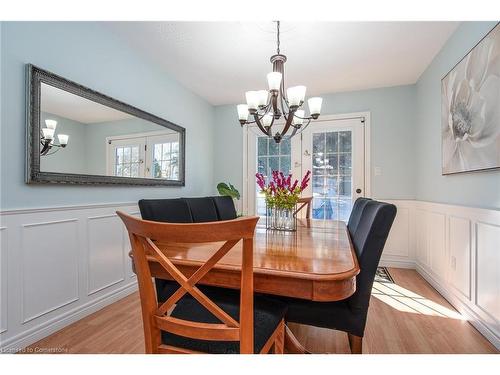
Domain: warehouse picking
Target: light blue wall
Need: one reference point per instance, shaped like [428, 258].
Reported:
[392, 138]
[91, 55]
[476, 189]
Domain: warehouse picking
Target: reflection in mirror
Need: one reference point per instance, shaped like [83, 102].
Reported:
[80, 136]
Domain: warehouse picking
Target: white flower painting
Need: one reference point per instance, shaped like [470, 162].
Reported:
[470, 109]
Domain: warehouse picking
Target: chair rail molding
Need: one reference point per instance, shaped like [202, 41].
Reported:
[454, 248]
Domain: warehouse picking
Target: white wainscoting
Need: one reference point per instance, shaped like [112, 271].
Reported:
[457, 250]
[60, 264]
[3, 279]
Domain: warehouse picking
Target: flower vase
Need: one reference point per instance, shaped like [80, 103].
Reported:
[281, 219]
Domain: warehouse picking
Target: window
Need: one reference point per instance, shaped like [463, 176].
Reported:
[151, 156]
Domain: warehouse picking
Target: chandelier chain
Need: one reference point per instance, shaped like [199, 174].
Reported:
[278, 41]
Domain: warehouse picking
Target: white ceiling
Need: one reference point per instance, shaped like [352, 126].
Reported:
[221, 60]
[76, 108]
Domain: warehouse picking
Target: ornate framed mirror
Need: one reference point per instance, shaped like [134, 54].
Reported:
[77, 135]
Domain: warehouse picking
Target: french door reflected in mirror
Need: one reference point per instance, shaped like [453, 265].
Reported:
[334, 152]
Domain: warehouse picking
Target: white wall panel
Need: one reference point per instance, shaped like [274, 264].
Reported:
[3, 279]
[49, 266]
[105, 245]
[488, 270]
[398, 241]
[460, 255]
[421, 243]
[436, 229]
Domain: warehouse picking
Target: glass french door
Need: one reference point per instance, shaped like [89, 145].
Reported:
[334, 153]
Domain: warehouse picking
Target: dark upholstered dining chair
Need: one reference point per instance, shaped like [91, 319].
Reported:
[350, 315]
[355, 216]
[225, 207]
[184, 210]
[165, 210]
[236, 322]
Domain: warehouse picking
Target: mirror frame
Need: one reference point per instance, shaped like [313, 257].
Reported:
[34, 78]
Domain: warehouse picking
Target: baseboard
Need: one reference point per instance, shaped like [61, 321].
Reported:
[461, 307]
[397, 263]
[45, 329]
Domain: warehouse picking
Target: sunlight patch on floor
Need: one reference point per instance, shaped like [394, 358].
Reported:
[405, 300]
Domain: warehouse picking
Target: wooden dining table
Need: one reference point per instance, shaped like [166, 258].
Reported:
[317, 262]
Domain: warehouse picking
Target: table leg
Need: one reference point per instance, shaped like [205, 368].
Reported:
[292, 345]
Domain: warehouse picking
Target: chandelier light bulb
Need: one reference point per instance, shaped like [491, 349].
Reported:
[242, 112]
[268, 119]
[262, 96]
[296, 95]
[63, 139]
[315, 105]
[274, 81]
[298, 118]
[48, 133]
[51, 124]
[252, 100]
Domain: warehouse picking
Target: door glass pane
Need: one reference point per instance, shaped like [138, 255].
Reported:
[127, 161]
[271, 156]
[165, 160]
[332, 175]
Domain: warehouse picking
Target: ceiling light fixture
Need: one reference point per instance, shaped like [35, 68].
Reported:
[47, 138]
[266, 106]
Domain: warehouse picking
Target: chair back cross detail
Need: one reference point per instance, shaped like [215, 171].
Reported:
[143, 234]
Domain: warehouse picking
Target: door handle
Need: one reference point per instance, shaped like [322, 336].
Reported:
[358, 191]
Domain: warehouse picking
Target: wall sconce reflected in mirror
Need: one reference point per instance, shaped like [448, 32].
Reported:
[47, 138]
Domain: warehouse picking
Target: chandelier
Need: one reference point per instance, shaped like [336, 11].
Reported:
[47, 138]
[267, 106]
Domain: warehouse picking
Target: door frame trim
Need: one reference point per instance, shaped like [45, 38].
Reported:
[324, 118]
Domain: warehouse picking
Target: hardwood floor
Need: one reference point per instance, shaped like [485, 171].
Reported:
[406, 317]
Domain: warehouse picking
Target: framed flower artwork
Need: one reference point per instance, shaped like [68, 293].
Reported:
[470, 109]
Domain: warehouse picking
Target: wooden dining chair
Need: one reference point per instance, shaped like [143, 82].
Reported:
[304, 202]
[189, 321]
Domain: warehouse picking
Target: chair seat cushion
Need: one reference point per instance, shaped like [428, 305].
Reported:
[332, 315]
[268, 313]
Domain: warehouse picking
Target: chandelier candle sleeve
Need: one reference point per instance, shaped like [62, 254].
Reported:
[63, 139]
[252, 100]
[274, 81]
[315, 105]
[48, 133]
[242, 113]
[268, 119]
[51, 124]
[298, 118]
[267, 107]
[262, 98]
[296, 95]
